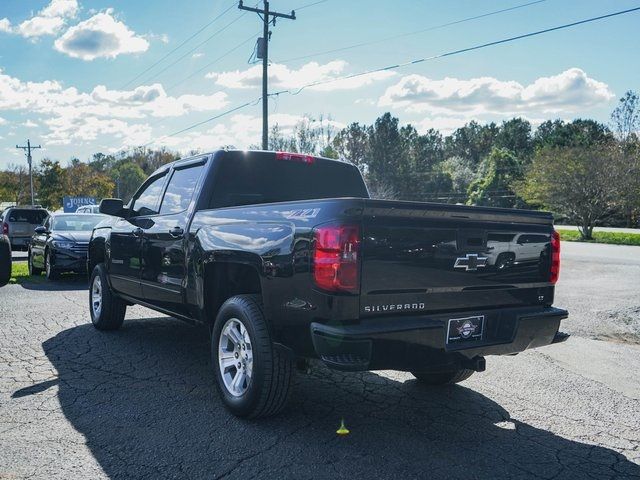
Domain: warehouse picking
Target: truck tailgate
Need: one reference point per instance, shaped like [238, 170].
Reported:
[421, 257]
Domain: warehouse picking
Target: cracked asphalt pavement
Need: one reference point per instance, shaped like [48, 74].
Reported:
[141, 402]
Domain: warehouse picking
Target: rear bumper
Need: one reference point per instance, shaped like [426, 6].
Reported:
[20, 242]
[419, 343]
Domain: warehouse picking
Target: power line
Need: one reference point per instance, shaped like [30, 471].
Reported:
[179, 46]
[457, 52]
[218, 32]
[215, 117]
[413, 62]
[310, 5]
[228, 52]
[416, 32]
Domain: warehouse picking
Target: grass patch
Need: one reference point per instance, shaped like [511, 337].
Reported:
[20, 273]
[616, 238]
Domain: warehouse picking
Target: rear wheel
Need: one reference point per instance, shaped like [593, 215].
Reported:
[32, 270]
[443, 378]
[252, 376]
[107, 310]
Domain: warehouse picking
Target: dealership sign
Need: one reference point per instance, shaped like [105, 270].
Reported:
[71, 204]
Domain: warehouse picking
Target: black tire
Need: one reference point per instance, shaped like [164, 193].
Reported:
[33, 270]
[443, 378]
[504, 260]
[112, 310]
[49, 270]
[267, 391]
[5, 261]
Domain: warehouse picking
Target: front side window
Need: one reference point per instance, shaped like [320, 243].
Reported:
[180, 189]
[147, 201]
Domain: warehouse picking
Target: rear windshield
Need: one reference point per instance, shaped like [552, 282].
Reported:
[76, 223]
[34, 217]
[244, 180]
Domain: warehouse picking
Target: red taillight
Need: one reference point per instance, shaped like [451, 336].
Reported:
[294, 157]
[5, 228]
[555, 257]
[335, 258]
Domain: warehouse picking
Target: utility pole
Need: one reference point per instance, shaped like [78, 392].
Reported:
[28, 149]
[268, 17]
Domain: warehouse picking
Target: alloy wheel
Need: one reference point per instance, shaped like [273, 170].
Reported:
[235, 357]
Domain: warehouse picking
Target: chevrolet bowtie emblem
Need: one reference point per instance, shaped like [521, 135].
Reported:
[471, 262]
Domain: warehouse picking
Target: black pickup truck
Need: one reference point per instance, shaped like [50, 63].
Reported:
[286, 258]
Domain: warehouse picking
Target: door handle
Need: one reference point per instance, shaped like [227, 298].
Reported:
[176, 232]
[137, 232]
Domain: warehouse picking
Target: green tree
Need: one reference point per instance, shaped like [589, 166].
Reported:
[472, 141]
[626, 116]
[127, 177]
[52, 184]
[579, 133]
[579, 182]
[515, 135]
[496, 174]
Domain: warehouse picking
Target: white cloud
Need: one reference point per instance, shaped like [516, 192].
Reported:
[101, 36]
[2, 121]
[240, 130]
[61, 8]
[570, 91]
[49, 21]
[39, 26]
[5, 25]
[30, 124]
[67, 130]
[281, 76]
[197, 55]
[72, 115]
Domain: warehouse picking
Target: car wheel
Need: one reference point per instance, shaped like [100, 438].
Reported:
[5, 261]
[32, 270]
[504, 261]
[107, 310]
[49, 270]
[252, 376]
[443, 378]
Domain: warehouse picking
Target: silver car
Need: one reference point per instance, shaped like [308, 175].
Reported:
[19, 223]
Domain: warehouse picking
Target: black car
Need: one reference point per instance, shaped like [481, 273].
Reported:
[60, 244]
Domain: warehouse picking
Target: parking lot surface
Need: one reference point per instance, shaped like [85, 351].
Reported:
[141, 403]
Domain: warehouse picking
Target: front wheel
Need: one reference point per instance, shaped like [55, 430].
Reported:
[107, 310]
[33, 270]
[252, 376]
[49, 270]
[443, 378]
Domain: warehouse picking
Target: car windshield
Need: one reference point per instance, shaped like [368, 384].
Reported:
[76, 223]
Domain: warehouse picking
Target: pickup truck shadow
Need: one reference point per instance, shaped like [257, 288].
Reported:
[145, 400]
[66, 282]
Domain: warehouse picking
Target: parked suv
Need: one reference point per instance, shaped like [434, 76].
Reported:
[19, 224]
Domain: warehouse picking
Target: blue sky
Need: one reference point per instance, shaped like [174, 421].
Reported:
[68, 68]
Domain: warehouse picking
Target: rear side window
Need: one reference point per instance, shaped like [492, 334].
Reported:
[180, 189]
[260, 178]
[34, 217]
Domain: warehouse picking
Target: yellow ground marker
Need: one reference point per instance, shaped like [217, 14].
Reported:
[342, 430]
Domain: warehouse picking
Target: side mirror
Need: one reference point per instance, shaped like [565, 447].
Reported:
[41, 230]
[112, 206]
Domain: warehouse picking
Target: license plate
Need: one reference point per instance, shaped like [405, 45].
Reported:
[467, 329]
